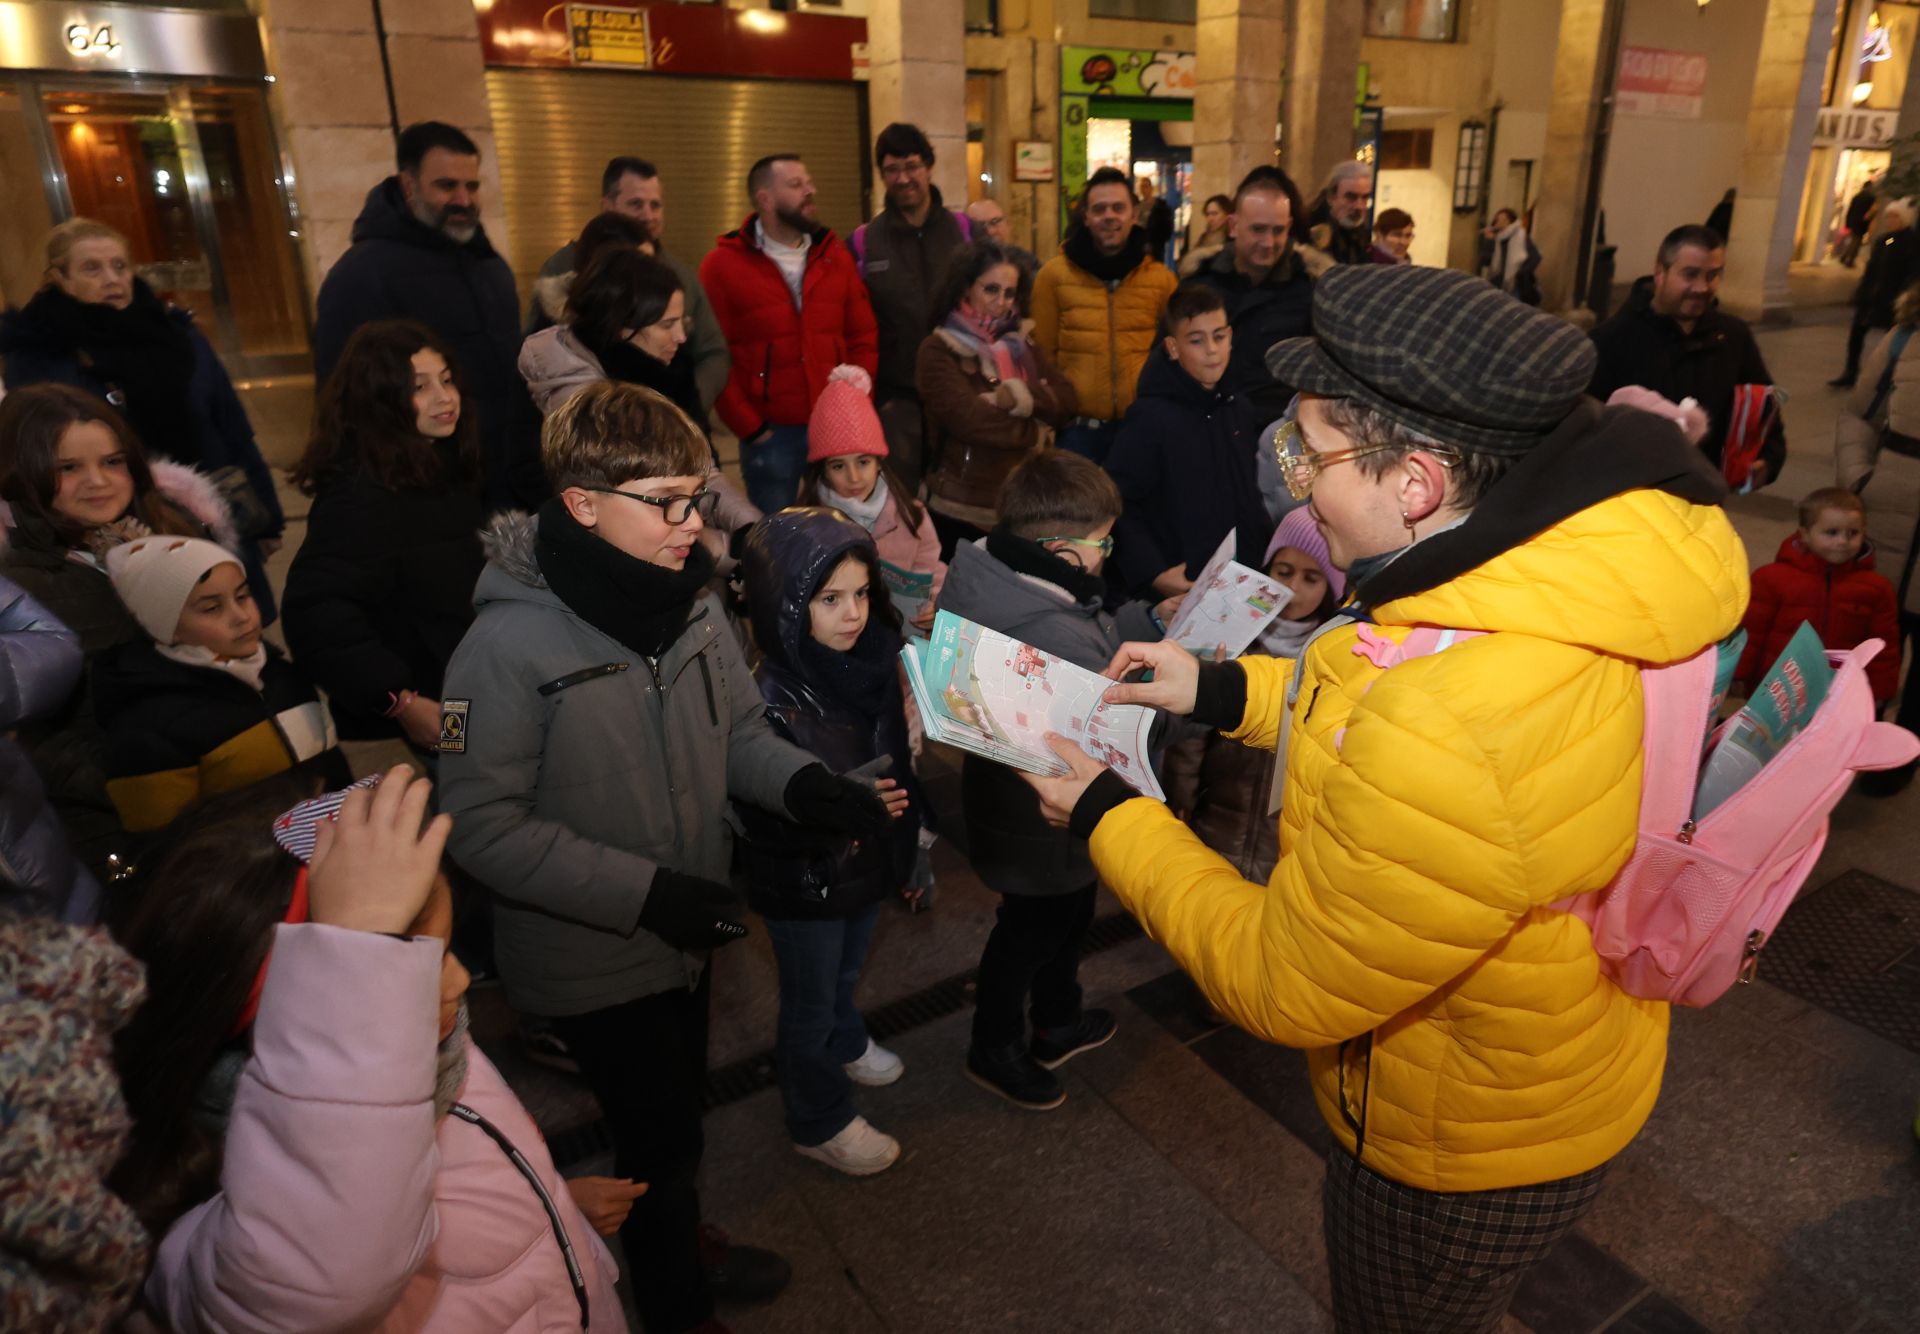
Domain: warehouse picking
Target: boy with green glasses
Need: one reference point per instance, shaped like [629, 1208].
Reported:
[1037, 577]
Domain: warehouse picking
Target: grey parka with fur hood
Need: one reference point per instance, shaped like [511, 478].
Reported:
[576, 768]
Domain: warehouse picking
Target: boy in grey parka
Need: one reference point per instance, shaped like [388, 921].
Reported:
[595, 721]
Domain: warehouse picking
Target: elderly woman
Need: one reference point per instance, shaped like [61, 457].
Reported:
[1477, 1069]
[97, 326]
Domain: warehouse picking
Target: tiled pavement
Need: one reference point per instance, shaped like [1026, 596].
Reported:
[1777, 1186]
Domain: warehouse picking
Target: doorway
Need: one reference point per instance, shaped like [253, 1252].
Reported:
[190, 176]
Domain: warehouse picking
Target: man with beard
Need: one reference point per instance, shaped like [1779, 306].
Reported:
[1260, 274]
[630, 187]
[1096, 310]
[902, 254]
[1672, 337]
[1338, 223]
[792, 307]
[420, 253]
[990, 224]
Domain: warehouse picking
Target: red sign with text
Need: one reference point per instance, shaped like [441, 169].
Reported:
[1657, 82]
[679, 39]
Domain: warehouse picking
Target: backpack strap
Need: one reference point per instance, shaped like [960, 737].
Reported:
[857, 243]
[965, 223]
[1679, 701]
[1895, 347]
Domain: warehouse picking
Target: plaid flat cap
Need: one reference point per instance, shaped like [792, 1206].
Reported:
[1445, 352]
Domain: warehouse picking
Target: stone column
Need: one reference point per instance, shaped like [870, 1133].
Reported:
[1773, 171]
[330, 104]
[1580, 82]
[917, 63]
[1323, 73]
[1239, 52]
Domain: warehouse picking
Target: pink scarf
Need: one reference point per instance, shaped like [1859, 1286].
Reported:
[994, 341]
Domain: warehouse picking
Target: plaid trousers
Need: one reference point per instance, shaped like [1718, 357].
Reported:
[1412, 1261]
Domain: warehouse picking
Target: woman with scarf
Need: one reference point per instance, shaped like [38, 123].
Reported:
[990, 395]
[99, 327]
[317, 1143]
[626, 320]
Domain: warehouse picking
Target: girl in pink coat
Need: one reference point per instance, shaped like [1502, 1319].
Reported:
[317, 1144]
[847, 469]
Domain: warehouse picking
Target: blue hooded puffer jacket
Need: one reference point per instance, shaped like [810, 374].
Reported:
[791, 871]
[39, 664]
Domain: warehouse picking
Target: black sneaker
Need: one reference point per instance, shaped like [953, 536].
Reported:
[738, 1273]
[1011, 1073]
[1054, 1047]
[1841, 382]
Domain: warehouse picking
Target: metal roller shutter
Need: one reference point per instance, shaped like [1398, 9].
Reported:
[557, 128]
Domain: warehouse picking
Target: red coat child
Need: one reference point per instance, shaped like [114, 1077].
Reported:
[1845, 604]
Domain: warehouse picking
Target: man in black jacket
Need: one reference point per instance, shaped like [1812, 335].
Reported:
[420, 253]
[1260, 275]
[1893, 265]
[1672, 337]
[902, 255]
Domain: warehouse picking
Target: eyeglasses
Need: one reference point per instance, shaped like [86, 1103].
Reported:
[1104, 546]
[673, 509]
[1300, 467]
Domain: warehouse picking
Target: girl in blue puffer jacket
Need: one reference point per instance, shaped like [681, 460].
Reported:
[831, 681]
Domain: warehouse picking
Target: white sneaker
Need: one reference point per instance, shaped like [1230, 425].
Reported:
[859, 1150]
[875, 1067]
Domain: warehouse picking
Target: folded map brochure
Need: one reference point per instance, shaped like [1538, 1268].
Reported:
[1780, 707]
[991, 695]
[910, 592]
[1227, 607]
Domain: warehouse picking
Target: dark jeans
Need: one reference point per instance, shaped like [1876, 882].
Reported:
[820, 1030]
[646, 1061]
[952, 532]
[1034, 950]
[1856, 344]
[1090, 442]
[773, 468]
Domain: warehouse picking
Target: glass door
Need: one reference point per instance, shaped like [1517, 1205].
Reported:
[190, 176]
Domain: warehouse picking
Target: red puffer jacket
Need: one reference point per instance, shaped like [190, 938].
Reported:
[1845, 604]
[782, 356]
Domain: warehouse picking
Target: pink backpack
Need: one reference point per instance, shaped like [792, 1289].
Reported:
[1689, 913]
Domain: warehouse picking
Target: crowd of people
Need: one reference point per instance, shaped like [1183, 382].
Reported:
[646, 699]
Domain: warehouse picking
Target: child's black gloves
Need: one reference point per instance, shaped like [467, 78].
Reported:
[690, 913]
[818, 796]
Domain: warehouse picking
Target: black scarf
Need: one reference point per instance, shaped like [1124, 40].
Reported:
[863, 677]
[673, 380]
[1023, 555]
[1595, 454]
[1084, 254]
[139, 352]
[643, 605]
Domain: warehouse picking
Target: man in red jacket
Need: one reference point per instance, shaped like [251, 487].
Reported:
[792, 306]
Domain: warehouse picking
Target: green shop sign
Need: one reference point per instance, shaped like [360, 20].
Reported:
[1118, 84]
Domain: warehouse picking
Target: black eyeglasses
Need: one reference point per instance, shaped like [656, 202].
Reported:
[673, 509]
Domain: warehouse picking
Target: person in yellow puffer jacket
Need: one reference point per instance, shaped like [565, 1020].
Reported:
[1096, 311]
[1477, 1069]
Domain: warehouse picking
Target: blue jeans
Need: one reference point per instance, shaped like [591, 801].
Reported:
[819, 1030]
[773, 468]
[1090, 442]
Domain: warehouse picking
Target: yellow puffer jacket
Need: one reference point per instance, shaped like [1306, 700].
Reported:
[1100, 337]
[1430, 814]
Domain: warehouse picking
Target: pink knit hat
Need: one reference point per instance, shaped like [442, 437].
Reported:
[1299, 531]
[844, 421]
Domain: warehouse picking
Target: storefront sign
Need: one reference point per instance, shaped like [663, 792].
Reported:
[672, 39]
[1850, 127]
[1100, 71]
[1657, 82]
[604, 36]
[126, 40]
[1032, 160]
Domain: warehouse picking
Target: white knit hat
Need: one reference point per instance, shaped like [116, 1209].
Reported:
[155, 575]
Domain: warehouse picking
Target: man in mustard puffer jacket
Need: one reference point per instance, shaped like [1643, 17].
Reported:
[1478, 1071]
[1096, 310]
